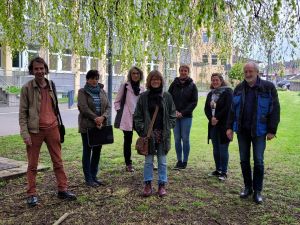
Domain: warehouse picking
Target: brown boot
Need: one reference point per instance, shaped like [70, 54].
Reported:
[147, 189]
[162, 190]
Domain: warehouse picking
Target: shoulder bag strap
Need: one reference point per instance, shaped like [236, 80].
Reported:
[57, 108]
[152, 121]
[124, 96]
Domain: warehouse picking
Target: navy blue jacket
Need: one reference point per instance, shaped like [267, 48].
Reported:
[266, 114]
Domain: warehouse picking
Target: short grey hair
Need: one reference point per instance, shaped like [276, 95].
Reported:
[252, 64]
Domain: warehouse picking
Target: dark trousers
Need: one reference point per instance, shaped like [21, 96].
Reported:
[259, 145]
[220, 151]
[90, 159]
[127, 146]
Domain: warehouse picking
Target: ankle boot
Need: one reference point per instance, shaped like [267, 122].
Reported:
[147, 189]
[257, 197]
[162, 190]
[247, 191]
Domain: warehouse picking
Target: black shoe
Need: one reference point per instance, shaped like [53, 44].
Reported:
[223, 177]
[32, 201]
[184, 165]
[246, 192]
[215, 173]
[257, 198]
[178, 165]
[99, 182]
[91, 184]
[66, 195]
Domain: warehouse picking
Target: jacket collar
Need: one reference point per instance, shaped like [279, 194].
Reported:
[187, 82]
[35, 84]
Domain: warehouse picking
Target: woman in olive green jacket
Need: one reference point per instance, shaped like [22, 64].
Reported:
[94, 107]
[160, 138]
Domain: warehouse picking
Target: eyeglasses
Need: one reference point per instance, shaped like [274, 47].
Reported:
[135, 73]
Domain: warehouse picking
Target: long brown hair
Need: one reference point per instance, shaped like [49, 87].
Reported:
[139, 71]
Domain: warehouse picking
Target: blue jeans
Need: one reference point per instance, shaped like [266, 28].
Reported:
[182, 138]
[90, 159]
[220, 151]
[259, 145]
[162, 166]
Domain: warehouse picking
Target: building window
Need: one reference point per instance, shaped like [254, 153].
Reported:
[117, 67]
[214, 59]
[205, 59]
[223, 61]
[172, 66]
[66, 59]
[83, 64]
[185, 56]
[33, 52]
[213, 38]
[204, 37]
[32, 55]
[152, 65]
[53, 61]
[94, 63]
[17, 60]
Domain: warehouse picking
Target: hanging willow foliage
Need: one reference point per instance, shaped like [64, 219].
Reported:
[146, 27]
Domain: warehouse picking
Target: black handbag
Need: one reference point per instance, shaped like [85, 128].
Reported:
[100, 136]
[61, 126]
[120, 111]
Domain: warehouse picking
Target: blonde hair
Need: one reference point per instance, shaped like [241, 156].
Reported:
[184, 66]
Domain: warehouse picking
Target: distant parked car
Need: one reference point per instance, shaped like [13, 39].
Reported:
[284, 84]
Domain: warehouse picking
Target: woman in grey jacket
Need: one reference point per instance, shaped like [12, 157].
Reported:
[94, 107]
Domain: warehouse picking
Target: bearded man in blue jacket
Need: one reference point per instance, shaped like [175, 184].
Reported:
[254, 116]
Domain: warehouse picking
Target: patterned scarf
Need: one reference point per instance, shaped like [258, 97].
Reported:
[216, 93]
[94, 92]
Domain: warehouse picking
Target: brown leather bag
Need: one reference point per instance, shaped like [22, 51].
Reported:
[142, 143]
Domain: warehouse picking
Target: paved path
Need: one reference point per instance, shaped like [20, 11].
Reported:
[9, 117]
[10, 168]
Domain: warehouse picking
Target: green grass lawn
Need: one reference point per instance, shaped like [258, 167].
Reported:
[192, 198]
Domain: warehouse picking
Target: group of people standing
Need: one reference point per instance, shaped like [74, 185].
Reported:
[252, 111]
[175, 108]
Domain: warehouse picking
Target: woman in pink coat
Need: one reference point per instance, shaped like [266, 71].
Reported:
[126, 99]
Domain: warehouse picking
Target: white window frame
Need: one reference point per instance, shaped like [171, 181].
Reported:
[23, 59]
[58, 64]
[212, 59]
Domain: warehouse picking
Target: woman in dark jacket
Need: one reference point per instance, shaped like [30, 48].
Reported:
[94, 107]
[185, 96]
[160, 138]
[217, 107]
